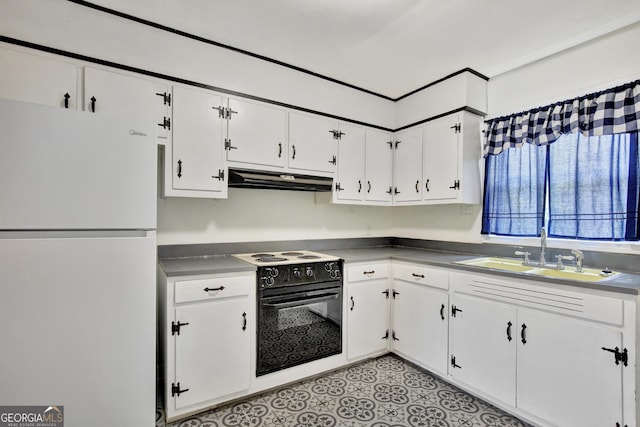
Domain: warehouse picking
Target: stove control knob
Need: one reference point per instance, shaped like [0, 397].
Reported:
[309, 272]
[328, 266]
[335, 274]
[297, 273]
[273, 272]
[267, 281]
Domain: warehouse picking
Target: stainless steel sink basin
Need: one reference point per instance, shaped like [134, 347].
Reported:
[515, 265]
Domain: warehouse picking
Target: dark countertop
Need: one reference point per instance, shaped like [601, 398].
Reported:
[626, 283]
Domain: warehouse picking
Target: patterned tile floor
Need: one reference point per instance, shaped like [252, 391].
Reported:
[382, 392]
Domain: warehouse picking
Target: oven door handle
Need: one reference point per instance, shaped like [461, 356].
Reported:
[302, 301]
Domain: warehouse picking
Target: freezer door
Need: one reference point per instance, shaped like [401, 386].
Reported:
[78, 327]
[64, 169]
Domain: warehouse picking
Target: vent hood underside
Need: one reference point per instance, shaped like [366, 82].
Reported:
[239, 178]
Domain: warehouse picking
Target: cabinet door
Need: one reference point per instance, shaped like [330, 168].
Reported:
[440, 158]
[378, 166]
[420, 324]
[564, 375]
[35, 79]
[197, 161]
[212, 351]
[367, 318]
[106, 92]
[312, 146]
[407, 165]
[485, 356]
[351, 159]
[257, 134]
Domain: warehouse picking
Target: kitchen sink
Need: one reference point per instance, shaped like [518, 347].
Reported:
[508, 264]
[515, 265]
[586, 275]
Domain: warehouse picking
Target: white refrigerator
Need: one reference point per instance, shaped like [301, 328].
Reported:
[77, 264]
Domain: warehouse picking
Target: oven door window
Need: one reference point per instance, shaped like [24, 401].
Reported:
[298, 328]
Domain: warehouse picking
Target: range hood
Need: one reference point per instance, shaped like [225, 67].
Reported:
[240, 178]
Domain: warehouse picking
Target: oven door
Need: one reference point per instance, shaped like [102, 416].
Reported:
[298, 327]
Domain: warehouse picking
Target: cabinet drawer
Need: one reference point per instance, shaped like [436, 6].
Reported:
[422, 275]
[360, 272]
[212, 288]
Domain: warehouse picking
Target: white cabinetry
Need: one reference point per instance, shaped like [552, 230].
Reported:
[439, 162]
[407, 167]
[37, 79]
[365, 167]
[206, 328]
[313, 143]
[483, 346]
[549, 353]
[420, 315]
[451, 159]
[257, 134]
[194, 160]
[367, 309]
[115, 94]
[563, 369]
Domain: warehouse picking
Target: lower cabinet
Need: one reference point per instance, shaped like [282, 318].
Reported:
[206, 331]
[555, 355]
[367, 307]
[420, 315]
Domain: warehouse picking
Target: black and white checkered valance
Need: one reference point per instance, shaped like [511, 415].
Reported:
[612, 111]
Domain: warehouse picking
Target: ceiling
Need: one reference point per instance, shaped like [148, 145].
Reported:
[392, 47]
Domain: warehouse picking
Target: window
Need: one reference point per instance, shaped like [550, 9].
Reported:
[579, 187]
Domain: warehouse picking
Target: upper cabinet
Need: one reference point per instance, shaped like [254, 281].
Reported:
[439, 162]
[365, 167]
[257, 134]
[37, 79]
[451, 159]
[194, 162]
[313, 143]
[115, 94]
[262, 136]
[407, 167]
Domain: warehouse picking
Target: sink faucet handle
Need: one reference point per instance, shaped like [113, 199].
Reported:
[560, 258]
[579, 259]
[525, 261]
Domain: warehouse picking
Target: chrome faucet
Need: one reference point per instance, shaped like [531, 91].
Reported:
[543, 245]
[579, 257]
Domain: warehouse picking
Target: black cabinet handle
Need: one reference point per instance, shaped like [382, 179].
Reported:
[523, 334]
[420, 276]
[394, 293]
[442, 311]
[66, 100]
[368, 272]
[293, 157]
[509, 338]
[279, 149]
[359, 186]
[427, 186]
[93, 104]
[395, 191]
[455, 310]
[390, 190]
[368, 186]
[333, 160]
[220, 176]
[179, 168]
[353, 304]
[417, 186]
[221, 288]
[244, 321]
[386, 293]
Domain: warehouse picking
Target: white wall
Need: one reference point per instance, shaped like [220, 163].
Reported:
[608, 61]
[264, 215]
